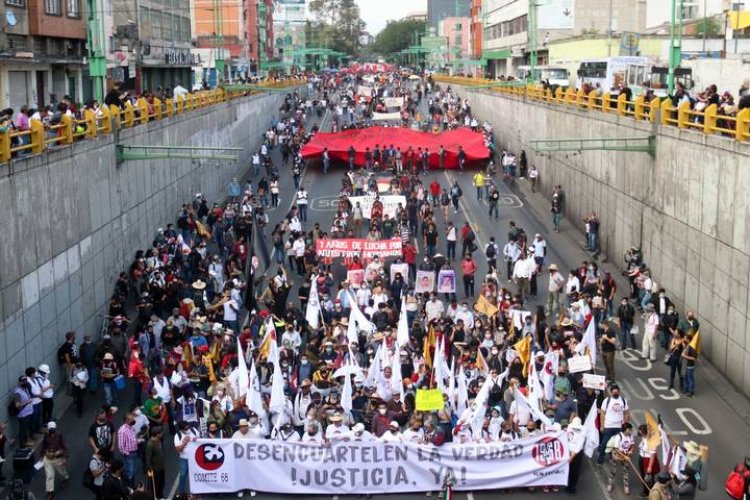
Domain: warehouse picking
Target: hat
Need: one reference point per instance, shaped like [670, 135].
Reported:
[553, 267]
[199, 285]
[51, 425]
[650, 307]
[306, 383]
[358, 428]
[576, 424]
[336, 417]
[108, 357]
[692, 447]
[44, 369]
[663, 477]
[566, 322]
[538, 353]
[244, 422]
[393, 424]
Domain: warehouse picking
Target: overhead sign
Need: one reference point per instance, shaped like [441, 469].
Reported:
[220, 466]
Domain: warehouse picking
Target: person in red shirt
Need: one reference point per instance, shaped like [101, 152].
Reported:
[435, 191]
[410, 257]
[469, 268]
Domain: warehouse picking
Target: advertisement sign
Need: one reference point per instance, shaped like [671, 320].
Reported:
[220, 466]
[390, 204]
[364, 249]
[556, 14]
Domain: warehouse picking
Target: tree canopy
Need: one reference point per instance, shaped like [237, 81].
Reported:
[397, 36]
[337, 25]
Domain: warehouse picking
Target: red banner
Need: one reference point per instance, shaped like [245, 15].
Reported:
[338, 144]
[364, 249]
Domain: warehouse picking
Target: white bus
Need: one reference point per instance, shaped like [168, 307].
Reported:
[611, 72]
[554, 75]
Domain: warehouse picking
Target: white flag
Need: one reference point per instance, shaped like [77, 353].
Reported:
[480, 403]
[278, 399]
[351, 329]
[396, 377]
[373, 373]
[439, 365]
[253, 399]
[547, 377]
[243, 379]
[463, 391]
[591, 433]
[535, 412]
[346, 395]
[452, 383]
[312, 314]
[403, 325]
[362, 323]
[589, 340]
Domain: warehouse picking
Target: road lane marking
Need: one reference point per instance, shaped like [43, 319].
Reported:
[684, 412]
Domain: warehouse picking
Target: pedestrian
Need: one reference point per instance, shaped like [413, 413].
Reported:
[478, 182]
[182, 438]
[592, 231]
[155, 462]
[533, 177]
[576, 441]
[620, 446]
[554, 291]
[556, 210]
[79, 380]
[48, 392]
[127, 445]
[648, 461]
[737, 484]
[690, 355]
[613, 413]
[493, 201]
[114, 487]
[55, 454]
[302, 203]
[469, 269]
[650, 334]
[456, 194]
[102, 435]
[608, 342]
[450, 241]
[461, 157]
[97, 468]
[626, 314]
[467, 240]
[490, 252]
[660, 491]
[23, 402]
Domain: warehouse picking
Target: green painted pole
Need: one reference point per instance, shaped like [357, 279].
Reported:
[96, 53]
[675, 43]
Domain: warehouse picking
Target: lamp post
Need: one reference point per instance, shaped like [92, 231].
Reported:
[533, 32]
[675, 43]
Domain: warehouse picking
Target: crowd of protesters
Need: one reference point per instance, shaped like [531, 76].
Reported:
[170, 368]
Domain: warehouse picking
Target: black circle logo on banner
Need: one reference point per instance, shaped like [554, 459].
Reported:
[548, 451]
[209, 457]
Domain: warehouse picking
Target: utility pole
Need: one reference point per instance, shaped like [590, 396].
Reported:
[96, 44]
[218, 41]
[533, 32]
[675, 43]
[609, 31]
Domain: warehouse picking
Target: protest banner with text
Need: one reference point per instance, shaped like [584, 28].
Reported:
[364, 249]
[218, 466]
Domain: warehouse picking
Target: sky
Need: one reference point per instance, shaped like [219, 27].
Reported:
[376, 13]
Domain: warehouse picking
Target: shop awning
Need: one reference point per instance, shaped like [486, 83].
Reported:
[739, 20]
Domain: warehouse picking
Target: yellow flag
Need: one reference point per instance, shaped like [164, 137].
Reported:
[484, 306]
[654, 435]
[202, 230]
[696, 342]
[428, 343]
[523, 348]
[482, 365]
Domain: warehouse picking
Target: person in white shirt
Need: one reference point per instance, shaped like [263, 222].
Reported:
[336, 431]
[313, 434]
[434, 308]
[496, 423]
[393, 434]
[291, 338]
[285, 433]
[540, 251]
[466, 315]
[415, 433]
[359, 433]
[181, 439]
[179, 91]
[256, 429]
[620, 446]
[614, 411]
[298, 248]
[650, 334]
[512, 253]
[48, 392]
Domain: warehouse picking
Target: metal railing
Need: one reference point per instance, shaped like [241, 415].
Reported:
[709, 121]
[40, 137]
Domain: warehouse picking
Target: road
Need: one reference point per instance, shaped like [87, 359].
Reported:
[718, 416]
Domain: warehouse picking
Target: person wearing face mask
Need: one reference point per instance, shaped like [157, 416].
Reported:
[302, 402]
[380, 421]
[312, 434]
[127, 445]
[613, 413]
[256, 429]
[336, 430]
[393, 434]
[434, 308]
[626, 314]
[78, 379]
[669, 323]
[621, 446]
[54, 453]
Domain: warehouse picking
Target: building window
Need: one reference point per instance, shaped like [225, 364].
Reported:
[155, 24]
[166, 26]
[17, 3]
[74, 8]
[146, 27]
[53, 7]
[185, 32]
[176, 23]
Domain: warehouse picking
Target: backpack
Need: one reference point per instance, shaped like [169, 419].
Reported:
[61, 354]
[735, 482]
[491, 251]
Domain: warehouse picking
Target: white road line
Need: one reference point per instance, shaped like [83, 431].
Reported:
[469, 496]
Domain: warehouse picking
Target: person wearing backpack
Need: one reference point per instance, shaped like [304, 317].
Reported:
[613, 413]
[456, 194]
[737, 484]
[490, 251]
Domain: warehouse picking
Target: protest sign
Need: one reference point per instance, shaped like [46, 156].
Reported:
[401, 267]
[220, 466]
[578, 364]
[390, 204]
[355, 277]
[597, 382]
[425, 282]
[393, 102]
[429, 400]
[446, 281]
[364, 249]
[381, 117]
[364, 91]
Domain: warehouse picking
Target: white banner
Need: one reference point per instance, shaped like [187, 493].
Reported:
[390, 204]
[363, 91]
[393, 102]
[381, 117]
[218, 466]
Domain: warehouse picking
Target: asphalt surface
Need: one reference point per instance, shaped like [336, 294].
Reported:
[718, 416]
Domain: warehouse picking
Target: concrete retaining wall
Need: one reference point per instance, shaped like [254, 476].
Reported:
[72, 219]
[687, 208]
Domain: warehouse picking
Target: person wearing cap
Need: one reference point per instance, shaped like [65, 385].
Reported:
[650, 334]
[54, 453]
[359, 434]
[576, 441]
[620, 447]
[392, 434]
[109, 370]
[660, 490]
[554, 291]
[78, 379]
[336, 430]
[47, 391]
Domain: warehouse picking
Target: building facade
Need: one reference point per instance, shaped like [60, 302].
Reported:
[42, 52]
[437, 10]
[506, 27]
[457, 33]
[153, 41]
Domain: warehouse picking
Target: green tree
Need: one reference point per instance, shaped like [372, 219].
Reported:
[710, 26]
[397, 36]
[337, 25]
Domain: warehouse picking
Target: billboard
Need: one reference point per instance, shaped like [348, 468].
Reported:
[289, 11]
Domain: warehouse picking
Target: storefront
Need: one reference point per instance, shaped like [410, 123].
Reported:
[165, 67]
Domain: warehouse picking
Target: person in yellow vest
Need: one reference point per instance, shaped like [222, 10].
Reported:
[479, 184]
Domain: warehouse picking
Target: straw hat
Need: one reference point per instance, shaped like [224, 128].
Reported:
[199, 285]
[336, 417]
